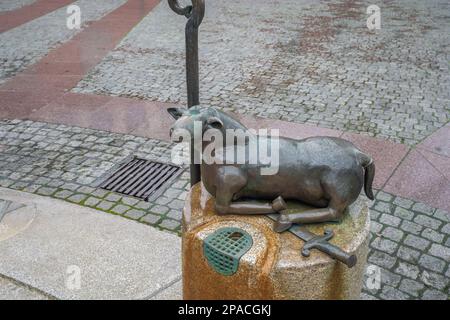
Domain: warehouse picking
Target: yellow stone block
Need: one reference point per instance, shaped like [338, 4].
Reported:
[273, 268]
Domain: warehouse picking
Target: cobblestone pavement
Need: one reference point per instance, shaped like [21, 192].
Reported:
[410, 241]
[66, 162]
[410, 244]
[8, 5]
[303, 61]
[27, 43]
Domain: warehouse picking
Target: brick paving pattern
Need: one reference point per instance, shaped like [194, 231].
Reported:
[27, 43]
[410, 241]
[303, 61]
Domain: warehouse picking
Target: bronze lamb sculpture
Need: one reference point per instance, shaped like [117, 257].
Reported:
[325, 172]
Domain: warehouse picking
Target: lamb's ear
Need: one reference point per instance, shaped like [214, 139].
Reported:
[175, 112]
[215, 123]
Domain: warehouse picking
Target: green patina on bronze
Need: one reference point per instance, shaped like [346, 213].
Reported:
[224, 248]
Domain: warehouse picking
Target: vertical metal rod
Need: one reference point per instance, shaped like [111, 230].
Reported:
[195, 14]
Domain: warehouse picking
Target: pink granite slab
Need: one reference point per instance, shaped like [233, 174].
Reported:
[139, 117]
[441, 163]
[438, 142]
[20, 104]
[287, 129]
[417, 179]
[72, 109]
[386, 154]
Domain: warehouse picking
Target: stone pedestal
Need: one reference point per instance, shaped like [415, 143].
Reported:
[273, 268]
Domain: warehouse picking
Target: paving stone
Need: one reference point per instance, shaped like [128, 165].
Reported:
[32, 188]
[129, 201]
[113, 197]
[383, 196]
[143, 205]
[416, 242]
[411, 287]
[105, 205]
[442, 215]
[176, 204]
[374, 215]
[389, 278]
[423, 208]
[19, 185]
[55, 183]
[77, 198]
[120, 209]
[92, 201]
[383, 207]
[162, 200]
[432, 235]
[390, 220]
[440, 251]
[390, 293]
[86, 190]
[432, 263]
[161, 210]
[366, 296]
[135, 214]
[434, 280]
[384, 245]
[434, 295]
[42, 180]
[382, 259]
[6, 183]
[408, 254]
[175, 214]
[151, 219]
[46, 191]
[446, 228]
[169, 224]
[393, 234]
[407, 270]
[100, 193]
[375, 227]
[172, 193]
[427, 222]
[411, 227]
[63, 194]
[403, 213]
[70, 186]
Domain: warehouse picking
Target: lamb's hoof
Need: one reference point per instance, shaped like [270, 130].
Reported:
[278, 204]
[282, 224]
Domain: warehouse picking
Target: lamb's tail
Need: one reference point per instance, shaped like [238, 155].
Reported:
[369, 174]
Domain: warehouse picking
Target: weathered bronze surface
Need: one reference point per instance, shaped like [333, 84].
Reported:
[321, 243]
[195, 14]
[273, 267]
[325, 172]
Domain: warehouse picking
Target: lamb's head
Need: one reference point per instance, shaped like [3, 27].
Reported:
[202, 117]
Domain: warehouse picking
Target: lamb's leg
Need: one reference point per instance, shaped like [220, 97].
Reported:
[229, 181]
[332, 213]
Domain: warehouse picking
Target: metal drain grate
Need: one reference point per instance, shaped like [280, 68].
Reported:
[141, 178]
[224, 248]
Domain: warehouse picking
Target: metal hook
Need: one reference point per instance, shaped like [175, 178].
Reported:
[194, 13]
